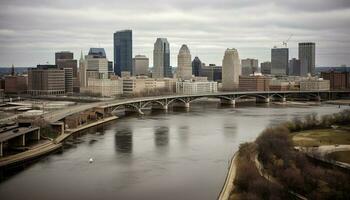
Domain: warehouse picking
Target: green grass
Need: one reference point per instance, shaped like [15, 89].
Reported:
[321, 137]
[341, 156]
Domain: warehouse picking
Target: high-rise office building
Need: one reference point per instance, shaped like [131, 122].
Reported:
[123, 51]
[140, 65]
[196, 66]
[231, 70]
[249, 66]
[265, 67]
[63, 55]
[294, 67]
[64, 59]
[279, 61]
[184, 66]
[49, 80]
[161, 59]
[307, 58]
[96, 63]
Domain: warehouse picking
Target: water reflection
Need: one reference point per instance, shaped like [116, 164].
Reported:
[161, 136]
[123, 140]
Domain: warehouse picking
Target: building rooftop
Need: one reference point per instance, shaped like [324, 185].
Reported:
[97, 52]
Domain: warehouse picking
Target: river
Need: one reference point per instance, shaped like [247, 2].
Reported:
[163, 155]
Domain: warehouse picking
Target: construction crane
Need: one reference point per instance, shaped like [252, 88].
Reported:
[285, 43]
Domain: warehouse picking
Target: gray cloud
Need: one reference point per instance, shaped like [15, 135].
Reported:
[31, 31]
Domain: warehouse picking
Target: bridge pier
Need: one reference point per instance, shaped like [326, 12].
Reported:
[228, 101]
[34, 135]
[182, 104]
[283, 99]
[140, 112]
[159, 107]
[19, 141]
[262, 100]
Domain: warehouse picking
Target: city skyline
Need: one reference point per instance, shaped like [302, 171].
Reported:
[55, 27]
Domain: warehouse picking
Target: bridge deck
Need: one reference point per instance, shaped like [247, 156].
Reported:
[11, 134]
[55, 116]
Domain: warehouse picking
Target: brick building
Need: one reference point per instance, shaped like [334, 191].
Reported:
[338, 80]
[254, 83]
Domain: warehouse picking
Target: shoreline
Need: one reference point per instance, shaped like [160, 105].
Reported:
[228, 186]
[50, 147]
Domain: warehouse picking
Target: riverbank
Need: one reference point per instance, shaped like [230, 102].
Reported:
[50, 146]
[339, 102]
[294, 171]
[230, 177]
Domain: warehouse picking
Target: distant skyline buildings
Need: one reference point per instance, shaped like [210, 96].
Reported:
[122, 43]
[27, 39]
[307, 58]
[279, 61]
[231, 70]
[140, 65]
[196, 66]
[249, 66]
[184, 63]
[161, 59]
[294, 67]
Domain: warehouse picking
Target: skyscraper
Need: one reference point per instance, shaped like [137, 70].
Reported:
[96, 63]
[64, 59]
[294, 67]
[184, 67]
[249, 66]
[161, 59]
[196, 66]
[231, 70]
[265, 67]
[140, 65]
[123, 51]
[307, 58]
[279, 61]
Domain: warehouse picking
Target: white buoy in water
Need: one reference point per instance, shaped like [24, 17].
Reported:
[91, 160]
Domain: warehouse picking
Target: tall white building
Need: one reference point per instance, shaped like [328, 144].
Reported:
[231, 69]
[161, 59]
[140, 65]
[184, 63]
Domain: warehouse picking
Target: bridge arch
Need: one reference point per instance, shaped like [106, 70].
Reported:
[151, 102]
[276, 94]
[129, 105]
[251, 95]
[177, 99]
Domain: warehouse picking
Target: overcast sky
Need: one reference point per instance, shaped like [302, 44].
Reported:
[31, 31]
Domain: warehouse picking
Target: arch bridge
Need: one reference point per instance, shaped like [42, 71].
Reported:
[163, 102]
